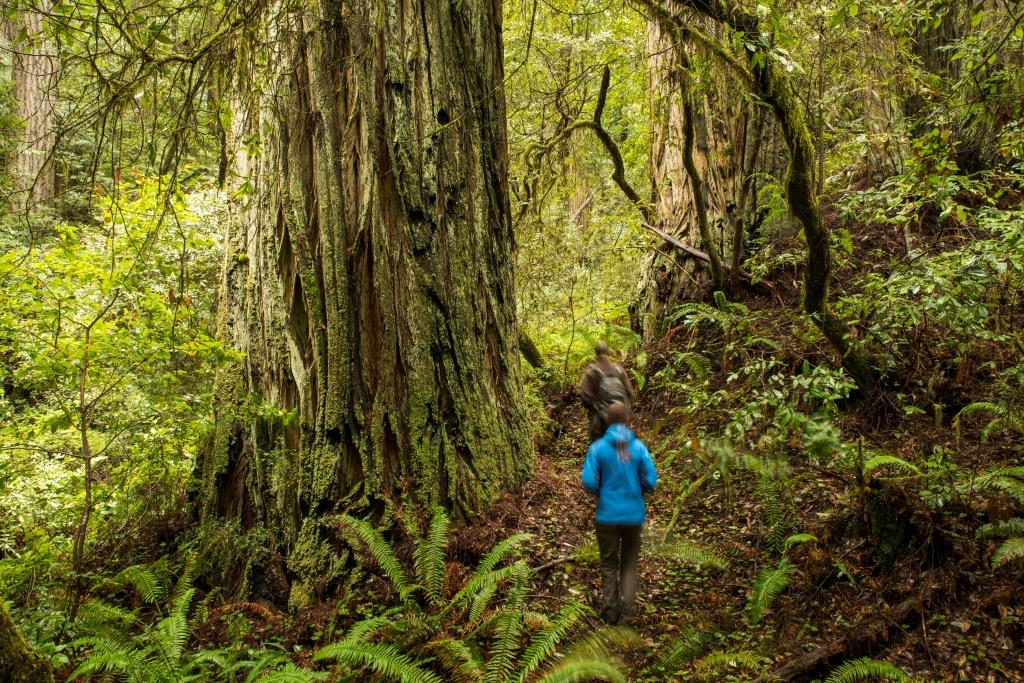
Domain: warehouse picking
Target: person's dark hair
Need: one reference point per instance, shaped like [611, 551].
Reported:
[601, 348]
[618, 413]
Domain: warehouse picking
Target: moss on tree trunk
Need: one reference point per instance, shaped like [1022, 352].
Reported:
[369, 278]
[19, 663]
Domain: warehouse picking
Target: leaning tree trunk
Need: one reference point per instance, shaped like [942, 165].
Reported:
[18, 662]
[718, 122]
[369, 278]
[33, 90]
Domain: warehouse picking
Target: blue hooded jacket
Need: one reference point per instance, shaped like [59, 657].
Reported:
[620, 486]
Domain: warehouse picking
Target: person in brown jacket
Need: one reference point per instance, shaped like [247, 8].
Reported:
[605, 383]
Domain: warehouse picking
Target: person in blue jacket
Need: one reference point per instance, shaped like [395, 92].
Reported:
[619, 471]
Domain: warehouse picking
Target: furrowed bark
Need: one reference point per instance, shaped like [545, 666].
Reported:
[369, 279]
[34, 71]
[769, 82]
[697, 134]
[696, 183]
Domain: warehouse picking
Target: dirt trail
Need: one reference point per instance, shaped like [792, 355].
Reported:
[962, 636]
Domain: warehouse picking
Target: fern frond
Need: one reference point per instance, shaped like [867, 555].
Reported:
[1005, 418]
[382, 659]
[1009, 485]
[509, 629]
[479, 581]
[1004, 529]
[149, 585]
[97, 614]
[173, 630]
[544, 643]
[1008, 551]
[108, 654]
[798, 538]
[428, 556]
[501, 551]
[458, 659]
[768, 585]
[698, 364]
[979, 407]
[692, 553]
[480, 602]
[582, 670]
[381, 551]
[885, 459]
[188, 575]
[866, 669]
[599, 644]
[364, 629]
[743, 659]
[689, 645]
[291, 673]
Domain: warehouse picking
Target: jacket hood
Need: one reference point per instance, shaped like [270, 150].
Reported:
[618, 433]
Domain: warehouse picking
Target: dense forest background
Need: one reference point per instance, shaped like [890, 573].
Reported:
[296, 297]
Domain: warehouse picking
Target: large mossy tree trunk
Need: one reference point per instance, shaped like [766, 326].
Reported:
[18, 662]
[368, 278]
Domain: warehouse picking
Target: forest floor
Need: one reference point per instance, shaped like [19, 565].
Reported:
[936, 609]
[932, 606]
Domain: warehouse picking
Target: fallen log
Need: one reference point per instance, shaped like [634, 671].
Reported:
[862, 640]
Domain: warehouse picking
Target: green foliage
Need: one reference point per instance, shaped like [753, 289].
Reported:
[1004, 529]
[885, 459]
[544, 643]
[381, 551]
[770, 583]
[422, 640]
[153, 655]
[1006, 480]
[381, 658]
[692, 553]
[1008, 551]
[953, 302]
[1005, 417]
[429, 556]
[1011, 549]
[797, 538]
[106, 325]
[866, 669]
[719, 661]
[689, 645]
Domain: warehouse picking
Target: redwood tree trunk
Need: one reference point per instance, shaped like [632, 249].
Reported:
[368, 278]
[34, 85]
[719, 120]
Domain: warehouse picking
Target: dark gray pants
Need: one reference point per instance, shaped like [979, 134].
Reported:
[597, 426]
[620, 549]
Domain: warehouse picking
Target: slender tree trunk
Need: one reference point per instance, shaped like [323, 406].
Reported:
[34, 83]
[368, 279]
[18, 662]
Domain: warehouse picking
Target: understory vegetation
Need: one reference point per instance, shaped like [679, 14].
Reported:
[799, 227]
